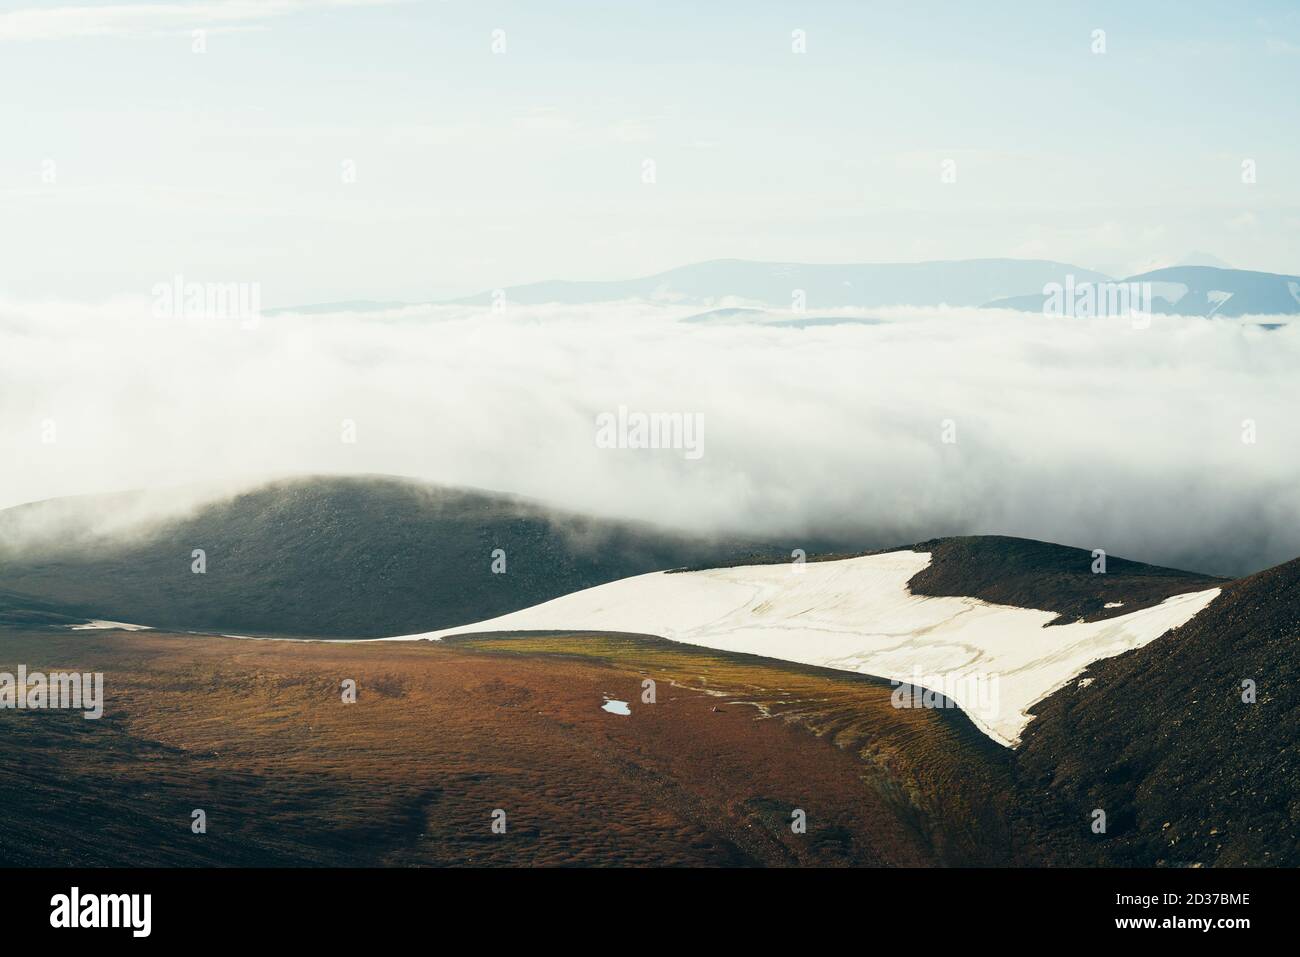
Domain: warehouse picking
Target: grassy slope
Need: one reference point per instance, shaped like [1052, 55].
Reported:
[254, 733]
[937, 771]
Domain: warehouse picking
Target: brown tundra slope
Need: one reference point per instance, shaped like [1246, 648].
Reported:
[442, 734]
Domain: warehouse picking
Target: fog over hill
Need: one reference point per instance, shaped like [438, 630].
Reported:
[1172, 444]
[316, 556]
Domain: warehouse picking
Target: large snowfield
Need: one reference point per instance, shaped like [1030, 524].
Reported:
[994, 661]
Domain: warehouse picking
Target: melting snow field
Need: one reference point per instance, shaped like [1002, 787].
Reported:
[97, 625]
[614, 706]
[995, 661]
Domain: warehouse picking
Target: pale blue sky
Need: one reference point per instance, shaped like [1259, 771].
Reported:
[476, 170]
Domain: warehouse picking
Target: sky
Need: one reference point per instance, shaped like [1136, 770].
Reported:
[366, 149]
[334, 150]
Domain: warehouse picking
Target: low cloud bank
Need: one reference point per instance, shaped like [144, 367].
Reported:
[1177, 443]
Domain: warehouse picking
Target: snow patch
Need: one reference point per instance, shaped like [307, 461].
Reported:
[858, 615]
[98, 625]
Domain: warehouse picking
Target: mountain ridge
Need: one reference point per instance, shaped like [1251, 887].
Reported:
[1185, 290]
[715, 282]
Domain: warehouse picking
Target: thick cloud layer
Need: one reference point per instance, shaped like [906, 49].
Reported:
[1177, 443]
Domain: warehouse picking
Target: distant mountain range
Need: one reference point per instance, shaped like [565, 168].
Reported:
[727, 287]
[732, 284]
[970, 282]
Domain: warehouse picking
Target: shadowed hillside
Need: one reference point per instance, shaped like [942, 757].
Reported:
[1032, 574]
[1161, 740]
[23, 611]
[337, 557]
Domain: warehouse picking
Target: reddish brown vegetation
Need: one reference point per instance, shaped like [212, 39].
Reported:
[255, 734]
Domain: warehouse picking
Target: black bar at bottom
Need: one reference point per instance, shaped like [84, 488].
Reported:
[213, 906]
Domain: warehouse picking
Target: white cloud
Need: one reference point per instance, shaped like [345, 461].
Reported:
[546, 120]
[132, 19]
[1085, 432]
[1243, 220]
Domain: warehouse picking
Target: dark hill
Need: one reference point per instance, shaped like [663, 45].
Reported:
[22, 611]
[1028, 574]
[1160, 739]
[334, 557]
[1033, 574]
